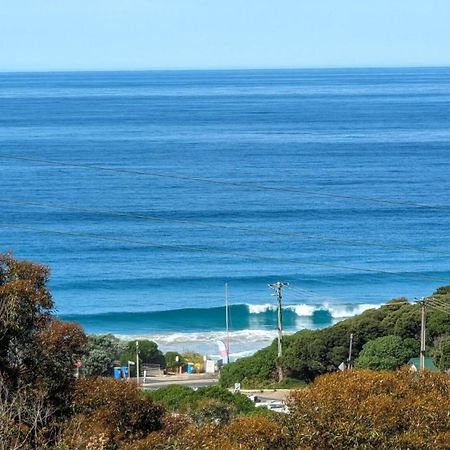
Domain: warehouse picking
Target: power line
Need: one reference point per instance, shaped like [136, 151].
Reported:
[444, 307]
[309, 293]
[194, 249]
[241, 184]
[147, 217]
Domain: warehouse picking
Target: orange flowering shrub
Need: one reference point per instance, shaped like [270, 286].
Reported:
[244, 433]
[109, 412]
[257, 433]
[373, 410]
[207, 437]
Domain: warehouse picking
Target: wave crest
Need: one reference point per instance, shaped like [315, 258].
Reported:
[308, 310]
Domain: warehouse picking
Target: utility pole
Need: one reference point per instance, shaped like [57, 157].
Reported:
[349, 360]
[278, 286]
[227, 320]
[422, 335]
[137, 362]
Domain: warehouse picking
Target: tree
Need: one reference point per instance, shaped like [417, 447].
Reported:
[101, 352]
[441, 353]
[34, 347]
[37, 352]
[171, 360]
[384, 353]
[258, 368]
[25, 305]
[148, 353]
[59, 345]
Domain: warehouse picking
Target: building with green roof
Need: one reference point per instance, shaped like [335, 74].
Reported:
[429, 364]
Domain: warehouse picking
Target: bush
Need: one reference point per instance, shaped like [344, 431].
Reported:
[111, 410]
[212, 411]
[258, 368]
[171, 360]
[182, 398]
[148, 353]
[384, 353]
[257, 433]
[101, 352]
[174, 398]
[441, 353]
[372, 410]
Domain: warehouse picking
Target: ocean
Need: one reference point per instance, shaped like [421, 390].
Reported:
[146, 192]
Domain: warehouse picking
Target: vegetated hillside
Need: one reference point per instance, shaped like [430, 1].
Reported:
[309, 353]
[44, 406]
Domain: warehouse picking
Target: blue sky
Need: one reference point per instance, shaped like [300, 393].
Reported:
[190, 34]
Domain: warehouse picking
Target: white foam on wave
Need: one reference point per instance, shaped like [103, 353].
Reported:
[308, 310]
[258, 309]
[342, 311]
[242, 343]
[303, 310]
[206, 336]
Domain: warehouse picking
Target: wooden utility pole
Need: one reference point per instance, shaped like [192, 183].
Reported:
[278, 286]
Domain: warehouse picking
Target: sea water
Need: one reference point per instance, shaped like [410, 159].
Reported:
[335, 181]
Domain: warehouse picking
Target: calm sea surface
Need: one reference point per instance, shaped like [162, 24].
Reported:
[146, 248]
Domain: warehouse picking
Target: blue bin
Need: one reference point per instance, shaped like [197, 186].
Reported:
[190, 368]
[117, 373]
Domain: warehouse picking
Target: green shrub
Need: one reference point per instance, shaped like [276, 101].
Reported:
[384, 353]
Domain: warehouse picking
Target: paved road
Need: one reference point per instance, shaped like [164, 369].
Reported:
[190, 382]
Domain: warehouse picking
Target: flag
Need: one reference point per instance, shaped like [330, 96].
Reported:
[223, 350]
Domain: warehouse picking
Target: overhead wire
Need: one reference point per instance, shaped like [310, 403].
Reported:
[149, 217]
[443, 306]
[212, 250]
[240, 184]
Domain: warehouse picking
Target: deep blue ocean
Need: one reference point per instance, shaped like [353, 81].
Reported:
[146, 192]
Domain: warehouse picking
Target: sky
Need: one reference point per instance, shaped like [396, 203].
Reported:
[212, 34]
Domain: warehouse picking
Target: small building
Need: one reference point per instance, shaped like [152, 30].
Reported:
[429, 364]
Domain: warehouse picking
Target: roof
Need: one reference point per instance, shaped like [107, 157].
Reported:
[429, 364]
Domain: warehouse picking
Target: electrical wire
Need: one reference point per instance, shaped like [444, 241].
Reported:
[187, 248]
[147, 217]
[238, 184]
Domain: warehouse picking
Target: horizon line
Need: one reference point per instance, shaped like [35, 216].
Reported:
[221, 69]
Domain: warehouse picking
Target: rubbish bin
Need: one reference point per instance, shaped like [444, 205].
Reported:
[117, 373]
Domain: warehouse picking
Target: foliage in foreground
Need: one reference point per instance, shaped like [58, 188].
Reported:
[361, 409]
[37, 355]
[111, 412]
[373, 410]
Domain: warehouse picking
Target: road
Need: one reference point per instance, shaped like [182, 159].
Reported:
[191, 381]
